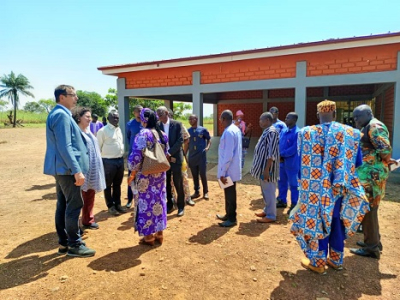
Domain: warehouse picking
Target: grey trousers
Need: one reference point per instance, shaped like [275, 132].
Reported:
[370, 226]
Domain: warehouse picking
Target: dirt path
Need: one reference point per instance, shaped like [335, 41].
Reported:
[198, 260]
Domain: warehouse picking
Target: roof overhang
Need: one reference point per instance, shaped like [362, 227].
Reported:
[328, 45]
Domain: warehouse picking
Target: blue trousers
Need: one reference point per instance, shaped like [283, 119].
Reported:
[268, 191]
[69, 206]
[288, 178]
[334, 243]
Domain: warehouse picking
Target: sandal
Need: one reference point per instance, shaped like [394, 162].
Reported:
[159, 237]
[150, 242]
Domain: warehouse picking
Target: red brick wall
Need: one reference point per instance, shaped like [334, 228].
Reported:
[252, 112]
[240, 95]
[345, 61]
[284, 108]
[388, 108]
[315, 92]
[347, 90]
[311, 113]
[281, 93]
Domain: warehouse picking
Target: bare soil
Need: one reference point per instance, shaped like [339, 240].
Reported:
[198, 260]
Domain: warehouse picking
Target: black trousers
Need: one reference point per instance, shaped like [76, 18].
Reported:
[230, 202]
[114, 173]
[176, 173]
[202, 170]
[370, 226]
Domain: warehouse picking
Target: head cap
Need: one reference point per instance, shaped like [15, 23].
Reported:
[239, 113]
[326, 106]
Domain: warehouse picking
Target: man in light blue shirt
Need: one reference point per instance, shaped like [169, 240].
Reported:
[278, 124]
[229, 165]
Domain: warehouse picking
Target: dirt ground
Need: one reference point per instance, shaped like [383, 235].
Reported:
[198, 260]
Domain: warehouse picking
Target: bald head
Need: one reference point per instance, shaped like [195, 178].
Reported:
[362, 114]
[226, 118]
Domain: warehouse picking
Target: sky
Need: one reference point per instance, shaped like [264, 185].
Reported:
[55, 42]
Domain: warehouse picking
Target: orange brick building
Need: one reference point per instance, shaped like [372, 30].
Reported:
[349, 71]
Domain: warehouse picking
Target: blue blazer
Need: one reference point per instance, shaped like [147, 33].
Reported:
[66, 152]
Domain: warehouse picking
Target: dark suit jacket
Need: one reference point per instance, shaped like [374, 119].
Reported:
[175, 140]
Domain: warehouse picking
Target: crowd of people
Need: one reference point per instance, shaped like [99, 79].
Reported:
[336, 174]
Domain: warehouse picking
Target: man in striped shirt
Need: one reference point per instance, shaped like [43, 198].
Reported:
[266, 167]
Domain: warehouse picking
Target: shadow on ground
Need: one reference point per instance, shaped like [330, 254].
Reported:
[43, 243]
[27, 269]
[123, 259]
[349, 284]
[208, 235]
[36, 187]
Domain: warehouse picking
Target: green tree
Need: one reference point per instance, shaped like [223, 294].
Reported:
[149, 103]
[47, 104]
[111, 98]
[180, 108]
[94, 101]
[33, 107]
[3, 105]
[13, 86]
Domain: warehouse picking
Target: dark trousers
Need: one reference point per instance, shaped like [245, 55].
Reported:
[130, 194]
[114, 173]
[69, 205]
[230, 202]
[370, 226]
[202, 170]
[176, 173]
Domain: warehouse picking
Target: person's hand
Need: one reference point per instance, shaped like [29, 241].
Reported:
[223, 180]
[132, 177]
[79, 179]
[206, 149]
[249, 125]
[168, 157]
[266, 175]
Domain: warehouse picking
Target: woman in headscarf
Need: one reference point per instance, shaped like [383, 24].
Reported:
[149, 190]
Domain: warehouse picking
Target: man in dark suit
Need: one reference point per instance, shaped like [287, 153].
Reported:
[173, 129]
[67, 160]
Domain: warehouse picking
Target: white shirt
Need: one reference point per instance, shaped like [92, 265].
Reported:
[110, 141]
[166, 127]
[230, 153]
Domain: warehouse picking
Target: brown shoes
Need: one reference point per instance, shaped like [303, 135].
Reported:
[305, 263]
[265, 220]
[261, 214]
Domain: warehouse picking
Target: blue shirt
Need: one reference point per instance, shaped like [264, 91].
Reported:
[288, 148]
[279, 125]
[199, 138]
[230, 153]
[132, 129]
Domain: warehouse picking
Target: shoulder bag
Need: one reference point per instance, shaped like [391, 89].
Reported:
[154, 160]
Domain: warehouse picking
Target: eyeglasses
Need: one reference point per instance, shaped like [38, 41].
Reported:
[160, 114]
[72, 95]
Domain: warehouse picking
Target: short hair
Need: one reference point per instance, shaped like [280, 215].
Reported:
[161, 109]
[294, 115]
[137, 107]
[274, 110]
[94, 116]
[170, 113]
[62, 90]
[227, 114]
[113, 112]
[267, 115]
[78, 112]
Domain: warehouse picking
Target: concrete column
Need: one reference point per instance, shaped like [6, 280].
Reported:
[215, 119]
[265, 101]
[197, 97]
[169, 104]
[123, 109]
[396, 115]
[300, 99]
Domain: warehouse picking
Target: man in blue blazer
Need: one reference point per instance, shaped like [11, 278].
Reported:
[67, 160]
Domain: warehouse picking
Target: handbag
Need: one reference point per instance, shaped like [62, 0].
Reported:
[246, 140]
[154, 160]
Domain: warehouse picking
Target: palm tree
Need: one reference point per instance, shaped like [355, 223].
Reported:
[12, 86]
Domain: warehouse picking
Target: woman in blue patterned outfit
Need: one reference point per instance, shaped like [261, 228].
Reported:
[150, 202]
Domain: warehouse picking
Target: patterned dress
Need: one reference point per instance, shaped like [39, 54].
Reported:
[150, 203]
[328, 155]
[374, 172]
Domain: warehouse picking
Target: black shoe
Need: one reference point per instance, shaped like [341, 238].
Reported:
[92, 226]
[359, 229]
[227, 223]
[290, 209]
[364, 252]
[129, 204]
[80, 251]
[206, 197]
[112, 211]
[170, 210]
[280, 204]
[195, 195]
[62, 249]
[363, 245]
[222, 218]
[121, 209]
[190, 202]
[181, 212]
